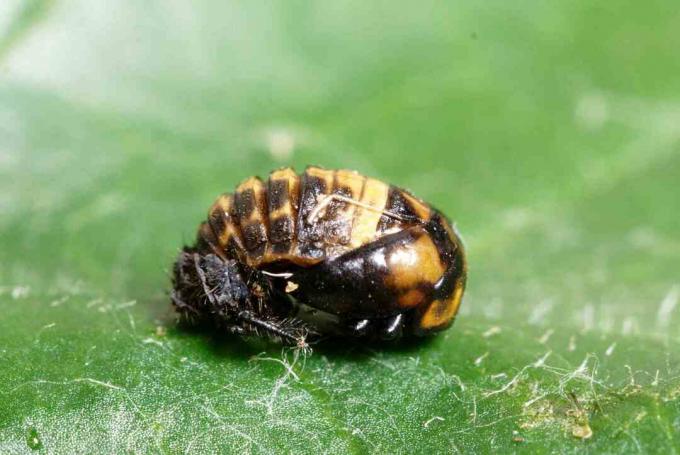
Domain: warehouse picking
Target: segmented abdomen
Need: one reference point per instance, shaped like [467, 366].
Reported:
[307, 218]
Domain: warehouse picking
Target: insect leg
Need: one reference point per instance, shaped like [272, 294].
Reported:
[180, 304]
[201, 275]
[236, 330]
[275, 328]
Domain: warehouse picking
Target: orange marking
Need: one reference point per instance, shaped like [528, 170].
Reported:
[354, 182]
[323, 174]
[288, 210]
[366, 219]
[257, 186]
[286, 173]
[293, 188]
[206, 233]
[412, 298]
[421, 208]
[222, 208]
[441, 312]
[415, 263]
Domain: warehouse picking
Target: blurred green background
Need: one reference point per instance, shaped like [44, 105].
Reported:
[550, 132]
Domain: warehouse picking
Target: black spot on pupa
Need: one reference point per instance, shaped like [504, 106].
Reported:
[281, 229]
[254, 235]
[278, 194]
[244, 203]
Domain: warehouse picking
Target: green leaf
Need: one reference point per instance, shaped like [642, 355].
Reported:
[549, 132]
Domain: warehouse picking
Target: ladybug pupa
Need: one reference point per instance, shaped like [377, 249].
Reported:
[324, 253]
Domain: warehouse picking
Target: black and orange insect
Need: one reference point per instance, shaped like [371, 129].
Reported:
[327, 252]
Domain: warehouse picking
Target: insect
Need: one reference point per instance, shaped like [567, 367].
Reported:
[326, 252]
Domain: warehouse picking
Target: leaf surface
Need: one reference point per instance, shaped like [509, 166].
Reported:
[550, 133]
